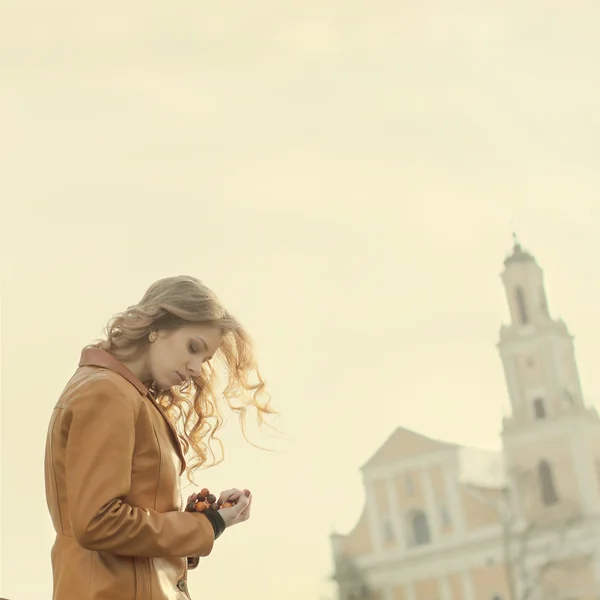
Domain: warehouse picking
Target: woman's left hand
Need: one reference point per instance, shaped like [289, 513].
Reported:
[232, 495]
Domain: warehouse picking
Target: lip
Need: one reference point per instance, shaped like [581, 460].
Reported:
[181, 377]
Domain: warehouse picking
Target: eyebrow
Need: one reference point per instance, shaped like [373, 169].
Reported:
[203, 342]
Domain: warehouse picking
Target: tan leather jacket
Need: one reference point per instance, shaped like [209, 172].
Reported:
[113, 466]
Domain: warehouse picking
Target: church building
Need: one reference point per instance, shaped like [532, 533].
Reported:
[446, 522]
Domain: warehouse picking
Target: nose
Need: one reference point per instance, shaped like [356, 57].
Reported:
[195, 368]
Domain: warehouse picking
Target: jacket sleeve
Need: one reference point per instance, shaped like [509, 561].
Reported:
[218, 525]
[98, 464]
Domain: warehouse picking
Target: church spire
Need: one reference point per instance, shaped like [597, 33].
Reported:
[518, 254]
[524, 284]
[537, 350]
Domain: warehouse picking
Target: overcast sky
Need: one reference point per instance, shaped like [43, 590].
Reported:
[345, 175]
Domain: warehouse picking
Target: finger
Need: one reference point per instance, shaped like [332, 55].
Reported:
[235, 495]
[231, 495]
[246, 512]
[242, 506]
[224, 496]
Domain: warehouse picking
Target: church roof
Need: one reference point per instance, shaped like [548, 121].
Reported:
[402, 444]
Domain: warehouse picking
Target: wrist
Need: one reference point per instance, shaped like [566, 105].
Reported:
[217, 522]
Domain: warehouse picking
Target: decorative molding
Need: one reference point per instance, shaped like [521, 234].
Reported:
[374, 519]
[467, 586]
[441, 457]
[445, 591]
[454, 503]
[432, 509]
[395, 510]
[582, 539]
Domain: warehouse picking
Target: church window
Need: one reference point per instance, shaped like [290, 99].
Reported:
[388, 531]
[521, 305]
[419, 529]
[546, 481]
[539, 410]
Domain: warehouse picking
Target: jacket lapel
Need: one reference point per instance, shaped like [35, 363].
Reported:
[174, 433]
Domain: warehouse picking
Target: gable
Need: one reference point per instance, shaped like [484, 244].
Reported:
[403, 444]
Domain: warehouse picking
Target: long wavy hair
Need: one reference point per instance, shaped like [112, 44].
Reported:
[194, 408]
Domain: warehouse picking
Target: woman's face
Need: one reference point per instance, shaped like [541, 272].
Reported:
[177, 355]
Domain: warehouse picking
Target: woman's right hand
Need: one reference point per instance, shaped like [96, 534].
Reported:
[240, 511]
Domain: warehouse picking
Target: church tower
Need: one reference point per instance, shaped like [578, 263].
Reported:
[551, 439]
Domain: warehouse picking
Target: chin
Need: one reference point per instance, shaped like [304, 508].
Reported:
[162, 385]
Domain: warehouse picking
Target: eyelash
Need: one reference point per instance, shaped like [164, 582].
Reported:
[194, 351]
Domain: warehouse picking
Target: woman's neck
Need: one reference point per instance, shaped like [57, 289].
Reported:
[139, 368]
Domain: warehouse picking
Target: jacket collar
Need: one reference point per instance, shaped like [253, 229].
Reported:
[96, 357]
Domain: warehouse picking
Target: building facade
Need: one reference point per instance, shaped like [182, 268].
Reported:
[445, 522]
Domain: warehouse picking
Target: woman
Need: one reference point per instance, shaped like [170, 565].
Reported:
[142, 400]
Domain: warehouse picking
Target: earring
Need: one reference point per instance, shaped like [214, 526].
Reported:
[152, 336]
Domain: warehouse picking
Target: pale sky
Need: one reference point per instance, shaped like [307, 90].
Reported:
[345, 175]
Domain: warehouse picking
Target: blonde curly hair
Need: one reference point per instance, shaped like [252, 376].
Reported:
[194, 409]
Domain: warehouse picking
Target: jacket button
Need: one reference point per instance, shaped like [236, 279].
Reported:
[182, 585]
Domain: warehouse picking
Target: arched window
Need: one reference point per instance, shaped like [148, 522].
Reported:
[539, 410]
[388, 531]
[445, 516]
[419, 529]
[547, 488]
[521, 305]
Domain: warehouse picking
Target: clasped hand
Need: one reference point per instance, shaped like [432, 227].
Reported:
[239, 512]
